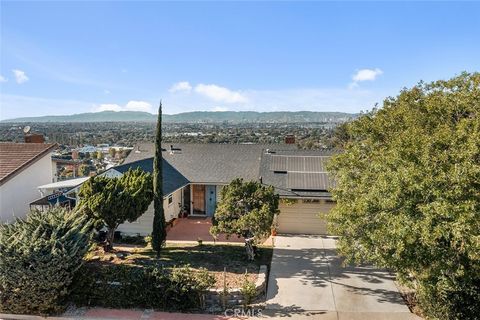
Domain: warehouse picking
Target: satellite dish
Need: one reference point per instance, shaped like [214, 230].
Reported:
[26, 129]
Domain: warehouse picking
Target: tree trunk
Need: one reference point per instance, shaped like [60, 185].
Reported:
[108, 244]
[249, 248]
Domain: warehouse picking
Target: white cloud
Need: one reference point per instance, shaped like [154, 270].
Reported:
[181, 86]
[220, 109]
[366, 75]
[3, 79]
[138, 106]
[106, 91]
[108, 107]
[132, 105]
[220, 94]
[20, 76]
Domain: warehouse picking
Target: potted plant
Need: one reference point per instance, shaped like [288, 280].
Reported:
[273, 229]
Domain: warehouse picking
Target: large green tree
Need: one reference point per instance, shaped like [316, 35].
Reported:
[246, 209]
[39, 257]
[408, 193]
[116, 200]
[159, 233]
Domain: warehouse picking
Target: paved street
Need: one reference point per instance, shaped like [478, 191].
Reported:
[308, 281]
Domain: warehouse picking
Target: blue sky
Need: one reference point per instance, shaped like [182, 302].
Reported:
[73, 57]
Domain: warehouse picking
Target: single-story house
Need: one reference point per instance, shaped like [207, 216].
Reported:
[23, 167]
[194, 174]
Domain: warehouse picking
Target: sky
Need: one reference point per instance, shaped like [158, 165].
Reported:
[61, 58]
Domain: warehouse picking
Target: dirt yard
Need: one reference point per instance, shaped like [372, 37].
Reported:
[216, 258]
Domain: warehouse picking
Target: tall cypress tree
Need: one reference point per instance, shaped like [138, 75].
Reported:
[159, 233]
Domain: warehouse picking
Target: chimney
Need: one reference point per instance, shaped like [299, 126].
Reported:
[34, 138]
[75, 155]
[289, 139]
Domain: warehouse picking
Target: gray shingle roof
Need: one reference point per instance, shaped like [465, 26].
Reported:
[211, 163]
[221, 163]
[172, 179]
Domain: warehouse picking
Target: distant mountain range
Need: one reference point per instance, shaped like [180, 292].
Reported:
[196, 117]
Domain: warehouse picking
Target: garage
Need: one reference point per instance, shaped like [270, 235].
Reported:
[302, 216]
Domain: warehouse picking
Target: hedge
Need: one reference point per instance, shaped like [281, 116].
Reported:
[127, 286]
[39, 257]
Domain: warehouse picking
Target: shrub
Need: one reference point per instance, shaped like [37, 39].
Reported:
[114, 286]
[39, 257]
[248, 291]
[445, 298]
[186, 288]
[246, 209]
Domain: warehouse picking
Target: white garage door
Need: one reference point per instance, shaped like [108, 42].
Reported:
[303, 217]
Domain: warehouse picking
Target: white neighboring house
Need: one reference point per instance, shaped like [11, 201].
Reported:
[23, 167]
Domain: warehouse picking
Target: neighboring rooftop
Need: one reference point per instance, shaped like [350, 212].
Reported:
[15, 157]
[64, 184]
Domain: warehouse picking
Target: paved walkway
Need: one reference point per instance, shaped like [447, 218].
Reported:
[308, 281]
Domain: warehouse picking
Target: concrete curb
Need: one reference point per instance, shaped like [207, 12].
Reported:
[28, 317]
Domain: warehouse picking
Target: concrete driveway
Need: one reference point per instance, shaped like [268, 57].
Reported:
[308, 281]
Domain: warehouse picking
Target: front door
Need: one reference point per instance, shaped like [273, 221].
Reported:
[198, 202]
[210, 200]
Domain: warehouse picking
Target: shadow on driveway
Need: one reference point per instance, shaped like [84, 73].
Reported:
[307, 276]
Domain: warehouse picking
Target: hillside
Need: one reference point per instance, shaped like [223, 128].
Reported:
[195, 117]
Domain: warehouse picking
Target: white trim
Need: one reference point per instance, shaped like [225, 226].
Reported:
[70, 183]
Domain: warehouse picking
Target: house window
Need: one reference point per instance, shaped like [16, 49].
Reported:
[170, 199]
